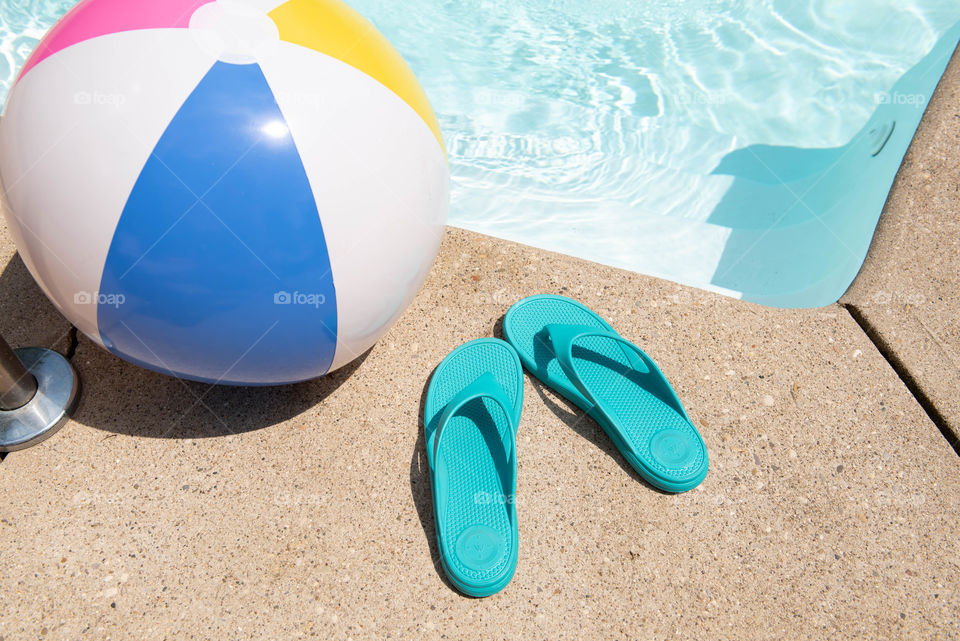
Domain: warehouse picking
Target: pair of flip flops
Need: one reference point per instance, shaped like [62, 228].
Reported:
[473, 409]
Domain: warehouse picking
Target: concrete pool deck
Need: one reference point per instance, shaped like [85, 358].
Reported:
[832, 508]
[907, 296]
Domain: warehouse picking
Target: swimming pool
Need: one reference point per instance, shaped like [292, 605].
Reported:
[743, 146]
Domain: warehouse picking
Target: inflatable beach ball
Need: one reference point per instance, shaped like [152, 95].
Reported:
[245, 192]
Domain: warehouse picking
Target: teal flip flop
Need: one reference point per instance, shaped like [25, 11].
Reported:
[470, 421]
[574, 351]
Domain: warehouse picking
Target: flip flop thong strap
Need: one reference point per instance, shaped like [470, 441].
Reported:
[484, 387]
[563, 337]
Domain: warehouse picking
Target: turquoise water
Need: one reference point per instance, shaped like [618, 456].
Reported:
[22, 25]
[726, 144]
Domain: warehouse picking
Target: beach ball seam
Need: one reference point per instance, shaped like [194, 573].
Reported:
[306, 23]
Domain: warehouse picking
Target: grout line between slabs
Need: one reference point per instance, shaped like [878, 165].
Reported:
[905, 375]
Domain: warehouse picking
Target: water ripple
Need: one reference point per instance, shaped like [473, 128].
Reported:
[22, 25]
[592, 126]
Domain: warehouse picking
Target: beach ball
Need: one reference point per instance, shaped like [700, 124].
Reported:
[244, 192]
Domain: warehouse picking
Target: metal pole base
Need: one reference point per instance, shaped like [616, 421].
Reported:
[57, 393]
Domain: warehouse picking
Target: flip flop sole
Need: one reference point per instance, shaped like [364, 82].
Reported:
[472, 506]
[647, 424]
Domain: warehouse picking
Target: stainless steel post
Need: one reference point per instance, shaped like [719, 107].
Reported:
[17, 385]
[38, 390]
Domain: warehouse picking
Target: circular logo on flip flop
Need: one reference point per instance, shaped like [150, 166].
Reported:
[672, 448]
[480, 547]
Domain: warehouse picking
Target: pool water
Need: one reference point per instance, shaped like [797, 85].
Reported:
[742, 146]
